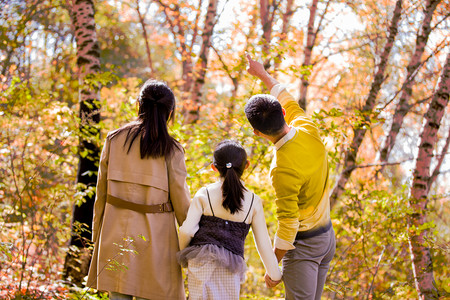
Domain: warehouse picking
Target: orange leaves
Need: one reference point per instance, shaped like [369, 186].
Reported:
[12, 68]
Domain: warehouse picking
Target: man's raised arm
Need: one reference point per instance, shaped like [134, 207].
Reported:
[257, 69]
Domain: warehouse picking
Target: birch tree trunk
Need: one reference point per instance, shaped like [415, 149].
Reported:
[88, 62]
[414, 64]
[420, 253]
[194, 102]
[359, 132]
[441, 157]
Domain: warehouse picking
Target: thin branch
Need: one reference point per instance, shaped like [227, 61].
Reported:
[378, 164]
[369, 292]
[220, 14]
[225, 67]
[197, 19]
[441, 21]
[438, 49]
[322, 58]
[316, 32]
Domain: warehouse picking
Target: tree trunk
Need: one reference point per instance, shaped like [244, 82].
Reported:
[444, 151]
[144, 33]
[284, 30]
[88, 61]
[403, 105]
[360, 131]
[195, 102]
[310, 40]
[420, 253]
[177, 28]
[266, 22]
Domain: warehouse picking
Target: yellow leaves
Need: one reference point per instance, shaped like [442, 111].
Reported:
[12, 68]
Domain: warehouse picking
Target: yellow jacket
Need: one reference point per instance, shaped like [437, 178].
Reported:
[299, 175]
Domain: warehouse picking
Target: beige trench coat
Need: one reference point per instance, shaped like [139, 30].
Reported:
[152, 272]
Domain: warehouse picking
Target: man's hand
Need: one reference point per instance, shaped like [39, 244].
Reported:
[257, 69]
[270, 283]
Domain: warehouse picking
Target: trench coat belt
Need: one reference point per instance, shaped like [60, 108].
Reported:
[142, 208]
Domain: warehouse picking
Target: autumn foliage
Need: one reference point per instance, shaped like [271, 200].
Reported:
[374, 75]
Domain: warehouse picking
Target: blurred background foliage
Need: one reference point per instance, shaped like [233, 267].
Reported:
[39, 125]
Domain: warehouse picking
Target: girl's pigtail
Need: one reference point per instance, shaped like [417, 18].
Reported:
[230, 159]
[232, 191]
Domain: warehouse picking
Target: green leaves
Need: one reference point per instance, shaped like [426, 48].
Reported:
[95, 81]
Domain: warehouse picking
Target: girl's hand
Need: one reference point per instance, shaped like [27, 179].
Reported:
[270, 283]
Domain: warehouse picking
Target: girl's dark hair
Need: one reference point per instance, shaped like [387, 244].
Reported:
[156, 107]
[230, 159]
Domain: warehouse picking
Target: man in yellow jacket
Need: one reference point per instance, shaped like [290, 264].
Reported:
[305, 240]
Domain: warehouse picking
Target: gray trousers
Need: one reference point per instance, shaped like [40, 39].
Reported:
[305, 267]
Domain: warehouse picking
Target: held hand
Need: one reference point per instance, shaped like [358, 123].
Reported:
[255, 68]
[270, 283]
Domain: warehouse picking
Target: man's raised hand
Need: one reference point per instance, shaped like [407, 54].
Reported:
[256, 68]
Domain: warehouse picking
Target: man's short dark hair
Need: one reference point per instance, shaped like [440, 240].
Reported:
[265, 114]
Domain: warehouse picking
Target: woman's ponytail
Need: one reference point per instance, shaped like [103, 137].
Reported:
[155, 138]
[156, 106]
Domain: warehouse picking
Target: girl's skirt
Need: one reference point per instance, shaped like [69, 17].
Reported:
[209, 280]
[213, 272]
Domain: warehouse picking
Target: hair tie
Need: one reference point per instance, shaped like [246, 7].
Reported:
[229, 165]
[148, 99]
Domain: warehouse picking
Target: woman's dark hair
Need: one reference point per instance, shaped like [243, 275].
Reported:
[265, 114]
[230, 159]
[156, 107]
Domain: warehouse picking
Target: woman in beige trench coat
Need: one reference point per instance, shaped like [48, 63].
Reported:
[141, 194]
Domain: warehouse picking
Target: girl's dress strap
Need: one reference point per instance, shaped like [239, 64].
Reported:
[251, 204]
[209, 200]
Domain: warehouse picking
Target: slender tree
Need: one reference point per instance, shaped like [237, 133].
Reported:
[411, 71]
[202, 63]
[421, 257]
[287, 16]
[360, 130]
[267, 11]
[88, 62]
[145, 34]
[185, 33]
[235, 69]
[310, 42]
[180, 29]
